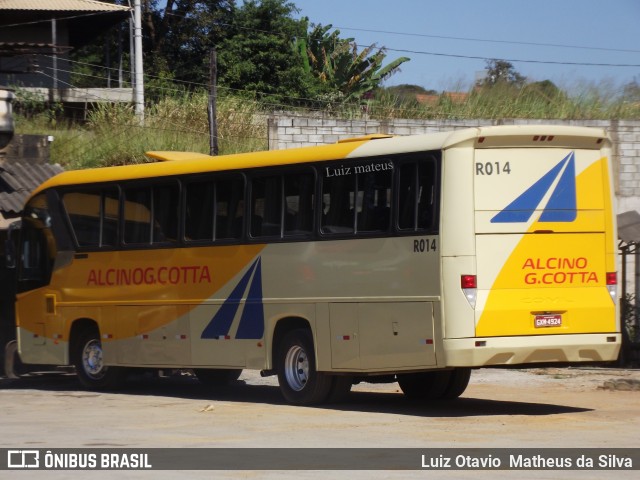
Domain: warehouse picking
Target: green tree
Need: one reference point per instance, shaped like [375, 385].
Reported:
[180, 33]
[339, 66]
[262, 49]
[177, 38]
[410, 90]
[501, 72]
[259, 55]
[404, 96]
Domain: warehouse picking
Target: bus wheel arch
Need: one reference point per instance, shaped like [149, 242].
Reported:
[85, 353]
[294, 360]
[284, 326]
[324, 386]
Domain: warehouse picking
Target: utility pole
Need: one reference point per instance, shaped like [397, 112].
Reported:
[213, 98]
[120, 78]
[139, 81]
[54, 41]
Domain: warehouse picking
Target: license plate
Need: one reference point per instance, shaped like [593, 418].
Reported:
[548, 320]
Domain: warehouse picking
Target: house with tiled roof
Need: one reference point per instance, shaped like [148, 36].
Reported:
[36, 37]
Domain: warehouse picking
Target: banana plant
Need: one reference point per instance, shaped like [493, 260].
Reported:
[338, 63]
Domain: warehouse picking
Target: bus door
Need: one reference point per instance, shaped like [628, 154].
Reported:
[544, 242]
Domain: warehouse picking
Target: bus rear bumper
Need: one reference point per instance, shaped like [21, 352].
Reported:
[485, 351]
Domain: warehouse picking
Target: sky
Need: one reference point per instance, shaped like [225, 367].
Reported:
[438, 34]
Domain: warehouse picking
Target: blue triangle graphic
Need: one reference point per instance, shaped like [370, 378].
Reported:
[562, 204]
[252, 320]
[220, 324]
[521, 209]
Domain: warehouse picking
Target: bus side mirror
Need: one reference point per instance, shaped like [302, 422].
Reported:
[10, 245]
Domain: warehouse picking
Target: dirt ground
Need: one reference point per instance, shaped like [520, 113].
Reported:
[534, 408]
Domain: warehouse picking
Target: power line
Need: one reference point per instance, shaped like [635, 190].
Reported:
[514, 60]
[48, 20]
[194, 84]
[486, 40]
[420, 52]
[309, 105]
[470, 57]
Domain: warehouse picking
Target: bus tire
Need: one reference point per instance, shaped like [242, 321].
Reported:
[90, 369]
[458, 382]
[425, 385]
[300, 382]
[217, 377]
[13, 366]
[340, 388]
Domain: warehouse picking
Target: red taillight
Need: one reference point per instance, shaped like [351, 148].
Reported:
[468, 281]
[612, 278]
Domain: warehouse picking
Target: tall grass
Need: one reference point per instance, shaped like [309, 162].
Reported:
[503, 101]
[112, 134]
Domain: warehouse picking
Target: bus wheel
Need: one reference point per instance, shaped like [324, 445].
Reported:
[340, 388]
[425, 385]
[13, 366]
[300, 382]
[217, 377]
[457, 383]
[89, 363]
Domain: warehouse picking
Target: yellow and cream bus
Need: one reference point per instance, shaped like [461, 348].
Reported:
[413, 259]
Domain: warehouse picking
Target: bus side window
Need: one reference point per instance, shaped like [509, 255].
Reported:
[93, 215]
[417, 201]
[110, 216]
[266, 206]
[84, 209]
[427, 201]
[199, 210]
[374, 201]
[229, 207]
[338, 198]
[137, 215]
[299, 202]
[165, 213]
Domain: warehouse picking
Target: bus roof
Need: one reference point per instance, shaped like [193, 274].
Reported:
[176, 163]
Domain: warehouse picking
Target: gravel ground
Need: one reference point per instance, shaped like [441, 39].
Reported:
[534, 408]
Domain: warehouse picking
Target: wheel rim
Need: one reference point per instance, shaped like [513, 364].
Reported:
[92, 362]
[296, 368]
